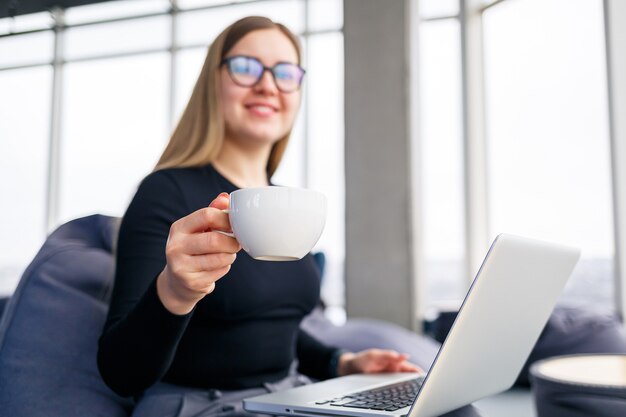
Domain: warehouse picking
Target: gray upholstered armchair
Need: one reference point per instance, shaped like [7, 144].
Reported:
[50, 328]
[51, 325]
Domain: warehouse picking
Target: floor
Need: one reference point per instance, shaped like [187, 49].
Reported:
[516, 402]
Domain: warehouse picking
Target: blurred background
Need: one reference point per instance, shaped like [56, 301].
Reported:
[505, 108]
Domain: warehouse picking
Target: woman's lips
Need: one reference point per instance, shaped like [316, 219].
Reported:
[261, 109]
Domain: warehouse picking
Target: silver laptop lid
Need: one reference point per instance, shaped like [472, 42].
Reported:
[499, 322]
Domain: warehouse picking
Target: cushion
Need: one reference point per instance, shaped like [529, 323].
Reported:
[576, 331]
[50, 329]
[3, 303]
[580, 386]
[359, 334]
[569, 330]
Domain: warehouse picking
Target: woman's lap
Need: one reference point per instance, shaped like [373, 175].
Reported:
[167, 400]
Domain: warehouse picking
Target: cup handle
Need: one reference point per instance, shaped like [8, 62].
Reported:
[229, 234]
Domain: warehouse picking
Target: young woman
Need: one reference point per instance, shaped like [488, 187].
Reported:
[195, 324]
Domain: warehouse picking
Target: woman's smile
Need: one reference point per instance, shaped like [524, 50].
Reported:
[262, 109]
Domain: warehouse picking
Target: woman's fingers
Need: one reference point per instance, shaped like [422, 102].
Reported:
[221, 202]
[384, 357]
[409, 367]
[377, 360]
[197, 266]
[211, 262]
[400, 364]
[207, 218]
[209, 242]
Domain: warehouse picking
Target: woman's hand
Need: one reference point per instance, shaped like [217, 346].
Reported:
[373, 361]
[197, 256]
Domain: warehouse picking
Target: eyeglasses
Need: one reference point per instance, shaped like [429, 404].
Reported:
[247, 71]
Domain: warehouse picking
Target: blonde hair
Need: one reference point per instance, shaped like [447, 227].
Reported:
[198, 138]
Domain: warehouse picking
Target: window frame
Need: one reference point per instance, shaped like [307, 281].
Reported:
[474, 135]
[59, 27]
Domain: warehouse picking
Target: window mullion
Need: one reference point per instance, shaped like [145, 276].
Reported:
[54, 162]
[174, 48]
[614, 13]
[474, 138]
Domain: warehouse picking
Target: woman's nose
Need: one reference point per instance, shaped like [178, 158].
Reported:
[266, 83]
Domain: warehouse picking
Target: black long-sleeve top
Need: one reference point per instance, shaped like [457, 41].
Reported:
[246, 332]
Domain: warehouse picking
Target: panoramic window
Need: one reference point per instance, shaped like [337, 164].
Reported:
[124, 72]
[547, 138]
[548, 133]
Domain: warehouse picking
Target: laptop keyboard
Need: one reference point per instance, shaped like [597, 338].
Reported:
[387, 398]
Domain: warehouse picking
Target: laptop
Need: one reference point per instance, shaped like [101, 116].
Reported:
[500, 320]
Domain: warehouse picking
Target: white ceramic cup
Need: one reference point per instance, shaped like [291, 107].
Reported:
[277, 223]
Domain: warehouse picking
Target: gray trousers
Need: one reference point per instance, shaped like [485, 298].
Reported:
[167, 400]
